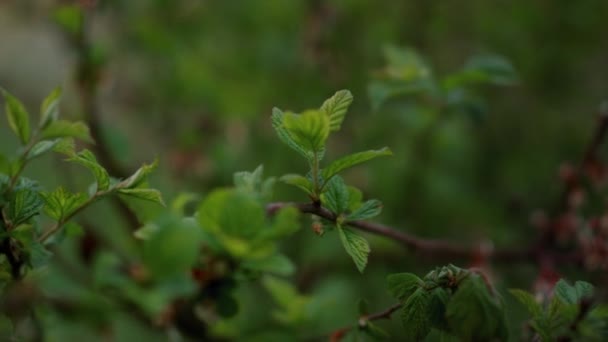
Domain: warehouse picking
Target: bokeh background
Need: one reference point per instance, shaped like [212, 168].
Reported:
[194, 82]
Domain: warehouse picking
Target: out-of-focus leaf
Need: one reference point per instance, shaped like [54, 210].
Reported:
[41, 148]
[276, 264]
[138, 177]
[173, 249]
[23, 205]
[64, 129]
[151, 195]
[298, 181]
[492, 69]
[49, 110]
[18, 118]
[61, 203]
[528, 300]
[88, 160]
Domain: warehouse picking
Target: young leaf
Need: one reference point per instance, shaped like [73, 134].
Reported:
[23, 205]
[336, 196]
[583, 289]
[308, 130]
[351, 160]
[137, 178]
[88, 160]
[298, 181]
[565, 292]
[18, 118]
[367, 210]
[41, 148]
[173, 249]
[49, 110]
[335, 108]
[356, 246]
[414, 315]
[254, 183]
[474, 314]
[60, 203]
[285, 223]
[64, 129]
[277, 264]
[285, 136]
[528, 300]
[152, 195]
[489, 69]
[402, 285]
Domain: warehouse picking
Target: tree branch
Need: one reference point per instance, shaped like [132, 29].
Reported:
[427, 246]
[339, 334]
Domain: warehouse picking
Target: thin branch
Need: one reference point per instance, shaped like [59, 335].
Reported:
[427, 246]
[363, 321]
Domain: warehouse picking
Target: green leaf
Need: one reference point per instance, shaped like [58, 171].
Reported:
[60, 203]
[583, 289]
[49, 110]
[528, 300]
[41, 148]
[173, 249]
[64, 129]
[285, 136]
[356, 246]
[285, 223]
[88, 160]
[298, 181]
[308, 130]
[277, 264]
[402, 285]
[414, 315]
[336, 196]
[152, 195]
[351, 160]
[235, 233]
[335, 108]
[38, 255]
[565, 292]
[367, 210]
[18, 118]
[474, 314]
[23, 205]
[436, 309]
[355, 196]
[139, 177]
[254, 183]
[292, 305]
[65, 146]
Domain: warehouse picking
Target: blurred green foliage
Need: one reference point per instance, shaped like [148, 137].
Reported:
[480, 102]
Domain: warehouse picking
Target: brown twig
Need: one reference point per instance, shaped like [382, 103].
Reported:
[363, 321]
[427, 246]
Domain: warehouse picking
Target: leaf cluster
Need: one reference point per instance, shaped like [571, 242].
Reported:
[450, 302]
